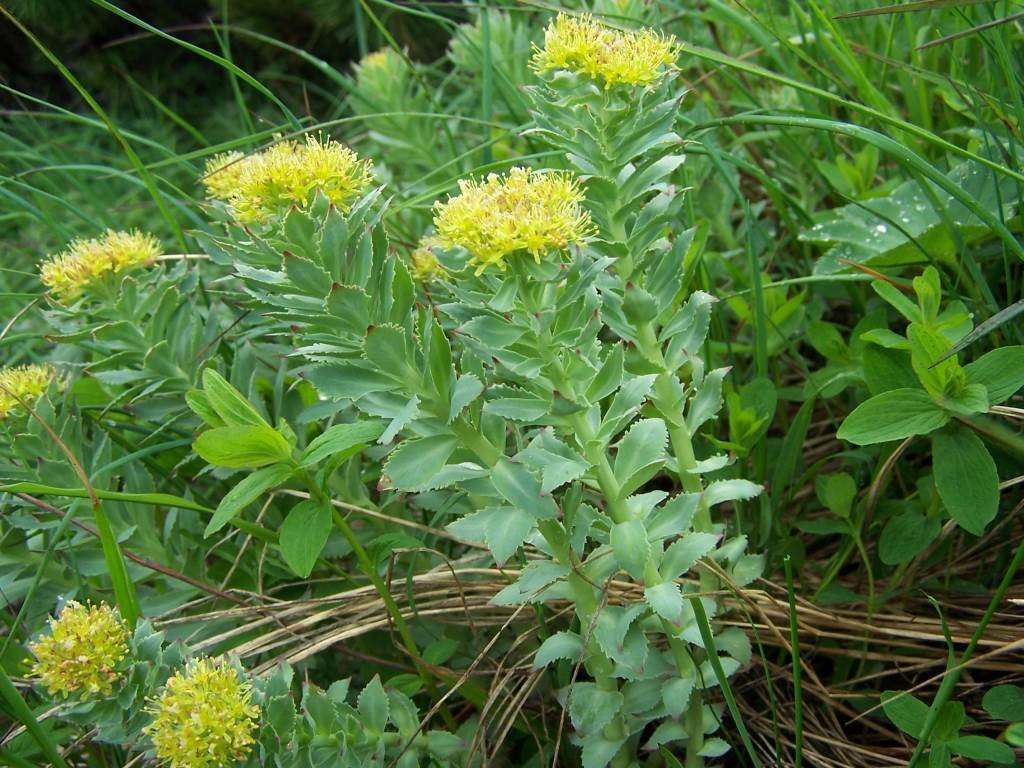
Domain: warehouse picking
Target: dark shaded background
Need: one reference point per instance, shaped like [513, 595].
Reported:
[104, 51]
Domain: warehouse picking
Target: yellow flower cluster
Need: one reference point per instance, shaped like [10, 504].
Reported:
[581, 45]
[85, 262]
[22, 383]
[82, 652]
[423, 262]
[223, 174]
[205, 718]
[383, 63]
[287, 174]
[532, 211]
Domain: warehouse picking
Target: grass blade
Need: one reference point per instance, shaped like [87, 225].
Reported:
[794, 654]
[133, 158]
[21, 712]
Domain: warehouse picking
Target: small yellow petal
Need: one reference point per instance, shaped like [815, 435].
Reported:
[24, 383]
[287, 174]
[424, 264]
[223, 173]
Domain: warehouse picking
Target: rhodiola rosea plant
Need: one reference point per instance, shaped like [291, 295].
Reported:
[535, 368]
[543, 375]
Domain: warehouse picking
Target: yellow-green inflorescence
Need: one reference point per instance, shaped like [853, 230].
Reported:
[23, 384]
[609, 56]
[289, 173]
[535, 212]
[423, 263]
[88, 261]
[205, 717]
[83, 651]
[382, 68]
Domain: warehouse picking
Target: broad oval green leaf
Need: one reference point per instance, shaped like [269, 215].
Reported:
[966, 478]
[240, 447]
[246, 492]
[229, 403]
[892, 415]
[304, 533]
[1000, 371]
[1004, 702]
[340, 439]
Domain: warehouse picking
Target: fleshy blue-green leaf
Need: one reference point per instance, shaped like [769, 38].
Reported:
[413, 464]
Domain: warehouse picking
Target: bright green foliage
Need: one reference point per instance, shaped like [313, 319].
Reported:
[908, 713]
[946, 394]
[609, 312]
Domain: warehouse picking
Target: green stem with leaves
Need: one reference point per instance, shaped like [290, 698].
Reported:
[368, 569]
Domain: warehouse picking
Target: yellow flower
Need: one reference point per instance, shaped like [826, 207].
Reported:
[383, 63]
[532, 211]
[205, 718]
[424, 264]
[287, 174]
[22, 383]
[580, 44]
[85, 262]
[222, 174]
[82, 652]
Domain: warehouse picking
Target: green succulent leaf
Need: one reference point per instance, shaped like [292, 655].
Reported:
[522, 489]
[414, 463]
[640, 454]
[561, 645]
[630, 545]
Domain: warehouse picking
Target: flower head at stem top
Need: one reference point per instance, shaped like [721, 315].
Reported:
[222, 174]
[535, 212]
[610, 56]
[86, 262]
[23, 384]
[82, 652]
[288, 174]
[382, 69]
[205, 717]
[423, 263]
